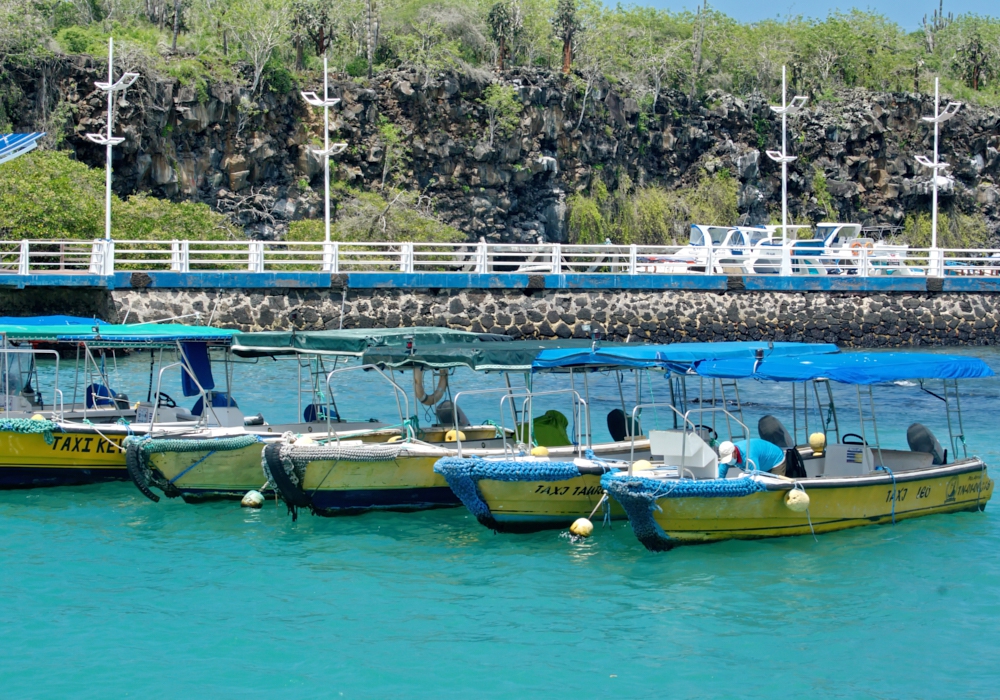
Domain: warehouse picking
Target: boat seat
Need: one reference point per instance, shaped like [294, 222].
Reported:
[548, 430]
[316, 412]
[98, 395]
[622, 427]
[920, 439]
[771, 429]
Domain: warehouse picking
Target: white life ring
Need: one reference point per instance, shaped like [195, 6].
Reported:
[418, 386]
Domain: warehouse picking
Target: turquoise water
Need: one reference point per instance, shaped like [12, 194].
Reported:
[107, 594]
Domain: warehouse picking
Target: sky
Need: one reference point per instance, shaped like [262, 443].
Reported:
[906, 13]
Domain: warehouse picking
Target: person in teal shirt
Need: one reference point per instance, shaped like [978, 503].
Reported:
[760, 454]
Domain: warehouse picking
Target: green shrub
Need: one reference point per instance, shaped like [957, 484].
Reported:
[357, 67]
[955, 230]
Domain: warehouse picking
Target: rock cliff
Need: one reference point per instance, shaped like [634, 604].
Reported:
[187, 143]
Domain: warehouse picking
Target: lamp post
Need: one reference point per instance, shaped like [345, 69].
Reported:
[328, 150]
[786, 108]
[936, 167]
[109, 141]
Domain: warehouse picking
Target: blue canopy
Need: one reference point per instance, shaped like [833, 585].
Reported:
[678, 357]
[849, 368]
[14, 145]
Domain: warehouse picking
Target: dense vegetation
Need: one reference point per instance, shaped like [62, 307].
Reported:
[264, 43]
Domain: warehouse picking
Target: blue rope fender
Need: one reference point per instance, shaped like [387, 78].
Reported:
[638, 496]
[464, 473]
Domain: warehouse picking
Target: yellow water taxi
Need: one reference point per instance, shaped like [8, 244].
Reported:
[854, 480]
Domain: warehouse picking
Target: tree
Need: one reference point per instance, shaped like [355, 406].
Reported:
[503, 108]
[977, 51]
[566, 26]
[314, 21]
[259, 27]
[393, 151]
[505, 23]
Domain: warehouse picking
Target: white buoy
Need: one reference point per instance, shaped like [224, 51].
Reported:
[641, 465]
[582, 527]
[797, 500]
[253, 499]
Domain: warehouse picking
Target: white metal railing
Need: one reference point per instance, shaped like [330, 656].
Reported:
[860, 258]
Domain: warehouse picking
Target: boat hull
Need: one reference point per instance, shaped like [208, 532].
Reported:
[74, 457]
[206, 475]
[834, 504]
[530, 506]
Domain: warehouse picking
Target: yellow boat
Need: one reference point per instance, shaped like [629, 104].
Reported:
[664, 512]
[48, 453]
[824, 488]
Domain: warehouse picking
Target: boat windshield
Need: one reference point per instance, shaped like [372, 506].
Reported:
[716, 233]
[755, 236]
[822, 232]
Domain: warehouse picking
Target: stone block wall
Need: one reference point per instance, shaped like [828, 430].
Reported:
[849, 319]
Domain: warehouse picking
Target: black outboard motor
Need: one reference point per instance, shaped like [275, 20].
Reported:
[445, 415]
[770, 428]
[921, 439]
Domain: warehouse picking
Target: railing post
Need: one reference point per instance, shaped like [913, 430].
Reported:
[175, 256]
[109, 258]
[937, 262]
[255, 256]
[863, 262]
[633, 259]
[556, 258]
[406, 257]
[482, 258]
[709, 265]
[96, 257]
[330, 257]
[24, 261]
[185, 256]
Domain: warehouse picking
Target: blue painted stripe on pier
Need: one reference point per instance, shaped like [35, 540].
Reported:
[229, 280]
[819, 283]
[971, 284]
[53, 280]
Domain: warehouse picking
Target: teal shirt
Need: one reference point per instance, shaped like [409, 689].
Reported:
[764, 455]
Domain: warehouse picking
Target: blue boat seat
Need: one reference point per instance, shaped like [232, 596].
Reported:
[98, 395]
[316, 412]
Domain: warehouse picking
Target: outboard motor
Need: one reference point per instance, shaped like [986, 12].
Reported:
[770, 428]
[920, 439]
[445, 415]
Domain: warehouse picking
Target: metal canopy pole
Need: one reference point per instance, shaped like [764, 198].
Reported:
[109, 141]
[786, 108]
[936, 167]
[325, 102]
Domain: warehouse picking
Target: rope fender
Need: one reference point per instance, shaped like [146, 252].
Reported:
[286, 478]
[464, 473]
[638, 496]
[143, 475]
[27, 426]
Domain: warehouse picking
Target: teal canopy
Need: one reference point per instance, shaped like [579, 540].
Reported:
[513, 356]
[100, 334]
[353, 341]
[849, 368]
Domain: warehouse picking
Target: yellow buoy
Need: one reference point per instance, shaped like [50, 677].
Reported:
[452, 436]
[641, 465]
[540, 451]
[252, 499]
[817, 441]
[38, 416]
[582, 527]
[797, 500]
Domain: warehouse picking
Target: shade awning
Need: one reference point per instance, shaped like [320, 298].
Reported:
[514, 356]
[353, 341]
[849, 368]
[99, 334]
[14, 145]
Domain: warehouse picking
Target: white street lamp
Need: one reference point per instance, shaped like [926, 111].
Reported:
[936, 167]
[328, 150]
[786, 108]
[110, 87]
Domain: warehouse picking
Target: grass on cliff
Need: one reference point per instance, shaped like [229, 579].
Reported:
[650, 215]
[45, 194]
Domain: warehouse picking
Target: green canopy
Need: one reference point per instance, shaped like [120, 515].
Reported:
[100, 334]
[514, 356]
[353, 341]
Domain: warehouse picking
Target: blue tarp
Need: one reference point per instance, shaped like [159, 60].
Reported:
[196, 356]
[14, 145]
[678, 357]
[850, 368]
